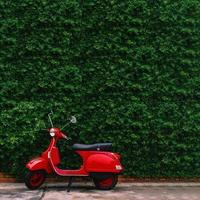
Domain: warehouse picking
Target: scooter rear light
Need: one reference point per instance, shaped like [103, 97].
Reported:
[118, 167]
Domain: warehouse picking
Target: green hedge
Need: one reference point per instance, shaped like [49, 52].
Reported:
[129, 71]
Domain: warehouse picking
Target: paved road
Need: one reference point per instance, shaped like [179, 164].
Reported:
[124, 191]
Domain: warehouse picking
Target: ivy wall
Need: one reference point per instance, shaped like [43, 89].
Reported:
[128, 70]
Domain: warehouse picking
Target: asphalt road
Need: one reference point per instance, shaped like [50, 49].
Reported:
[123, 191]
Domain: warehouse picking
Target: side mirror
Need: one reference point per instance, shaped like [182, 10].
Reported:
[49, 115]
[73, 119]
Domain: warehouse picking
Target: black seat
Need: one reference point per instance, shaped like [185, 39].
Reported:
[93, 147]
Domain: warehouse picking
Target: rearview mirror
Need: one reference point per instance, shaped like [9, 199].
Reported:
[73, 119]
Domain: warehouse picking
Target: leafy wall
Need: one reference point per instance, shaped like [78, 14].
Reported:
[129, 71]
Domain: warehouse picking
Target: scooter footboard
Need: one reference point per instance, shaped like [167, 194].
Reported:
[39, 164]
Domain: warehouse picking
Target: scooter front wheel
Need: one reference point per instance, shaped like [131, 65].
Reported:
[107, 183]
[34, 179]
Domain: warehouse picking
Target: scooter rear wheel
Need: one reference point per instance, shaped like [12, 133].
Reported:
[34, 179]
[107, 183]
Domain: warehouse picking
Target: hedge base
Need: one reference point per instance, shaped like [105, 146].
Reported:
[4, 178]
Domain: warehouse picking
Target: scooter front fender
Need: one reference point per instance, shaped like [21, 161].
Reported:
[39, 164]
[103, 162]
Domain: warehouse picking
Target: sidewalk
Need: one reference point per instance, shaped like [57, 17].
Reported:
[86, 190]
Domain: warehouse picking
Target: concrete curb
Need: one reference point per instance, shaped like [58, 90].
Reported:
[86, 190]
[21, 186]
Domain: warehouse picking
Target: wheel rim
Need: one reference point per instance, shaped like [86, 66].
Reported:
[106, 182]
[36, 179]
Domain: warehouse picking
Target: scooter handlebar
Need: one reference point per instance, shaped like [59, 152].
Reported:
[65, 137]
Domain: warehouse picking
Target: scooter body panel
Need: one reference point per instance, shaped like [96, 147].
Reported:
[100, 161]
[42, 163]
[39, 163]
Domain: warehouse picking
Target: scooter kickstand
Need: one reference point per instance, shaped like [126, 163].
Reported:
[69, 184]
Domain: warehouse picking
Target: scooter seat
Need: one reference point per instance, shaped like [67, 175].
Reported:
[93, 147]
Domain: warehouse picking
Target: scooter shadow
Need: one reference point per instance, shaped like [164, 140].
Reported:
[80, 188]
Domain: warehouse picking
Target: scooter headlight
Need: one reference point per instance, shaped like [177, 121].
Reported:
[52, 132]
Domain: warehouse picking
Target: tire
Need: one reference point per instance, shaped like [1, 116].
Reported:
[106, 183]
[34, 179]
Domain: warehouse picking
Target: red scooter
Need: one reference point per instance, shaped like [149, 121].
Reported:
[99, 163]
